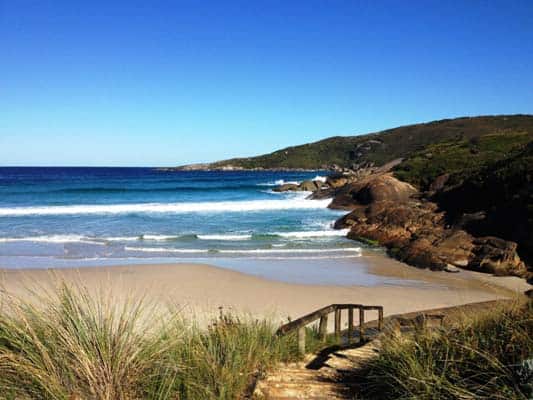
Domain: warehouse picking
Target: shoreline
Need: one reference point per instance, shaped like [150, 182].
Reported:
[200, 289]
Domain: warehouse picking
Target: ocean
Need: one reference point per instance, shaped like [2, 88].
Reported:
[48, 215]
[88, 217]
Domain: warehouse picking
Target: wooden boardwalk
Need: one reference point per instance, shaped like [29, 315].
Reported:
[333, 372]
[323, 376]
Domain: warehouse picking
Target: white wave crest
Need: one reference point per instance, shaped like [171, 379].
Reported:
[49, 239]
[313, 234]
[224, 237]
[121, 238]
[278, 182]
[206, 207]
[165, 250]
[320, 178]
[158, 237]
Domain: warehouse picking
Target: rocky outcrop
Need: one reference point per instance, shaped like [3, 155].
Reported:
[498, 256]
[372, 189]
[389, 212]
[305, 186]
[287, 187]
[338, 180]
[413, 226]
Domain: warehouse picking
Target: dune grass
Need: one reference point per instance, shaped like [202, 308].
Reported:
[482, 356]
[70, 344]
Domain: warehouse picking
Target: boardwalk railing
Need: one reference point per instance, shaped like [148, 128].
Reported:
[322, 315]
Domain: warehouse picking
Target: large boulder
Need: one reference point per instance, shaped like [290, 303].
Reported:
[310, 186]
[287, 187]
[305, 186]
[497, 256]
[372, 189]
[455, 246]
[337, 180]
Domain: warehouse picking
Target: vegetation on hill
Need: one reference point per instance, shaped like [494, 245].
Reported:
[486, 356]
[461, 157]
[385, 146]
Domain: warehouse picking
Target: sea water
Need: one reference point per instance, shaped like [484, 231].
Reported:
[61, 217]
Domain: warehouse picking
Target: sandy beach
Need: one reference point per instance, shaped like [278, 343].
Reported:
[201, 289]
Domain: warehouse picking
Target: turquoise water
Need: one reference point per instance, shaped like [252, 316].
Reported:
[77, 216]
[87, 217]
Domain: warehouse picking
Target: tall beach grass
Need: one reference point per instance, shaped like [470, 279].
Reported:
[486, 355]
[72, 344]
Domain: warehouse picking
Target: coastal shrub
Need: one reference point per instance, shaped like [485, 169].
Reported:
[483, 356]
[72, 344]
[460, 158]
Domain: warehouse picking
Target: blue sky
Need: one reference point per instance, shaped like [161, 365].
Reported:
[146, 83]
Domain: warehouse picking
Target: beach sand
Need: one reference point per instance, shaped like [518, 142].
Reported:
[200, 289]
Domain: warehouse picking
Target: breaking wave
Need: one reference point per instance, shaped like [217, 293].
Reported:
[295, 203]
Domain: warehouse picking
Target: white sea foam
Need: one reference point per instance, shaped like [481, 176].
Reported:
[120, 238]
[158, 237]
[294, 203]
[278, 182]
[224, 237]
[313, 234]
[165, 250]
[49, 239]
[310, 257]
[292, 251]
[320, 178]
[245, 251]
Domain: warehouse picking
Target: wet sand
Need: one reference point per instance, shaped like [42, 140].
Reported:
[200, 289]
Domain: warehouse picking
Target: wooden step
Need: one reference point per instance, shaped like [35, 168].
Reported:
[307, 390]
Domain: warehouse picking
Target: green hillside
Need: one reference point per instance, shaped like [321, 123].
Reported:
[391, 144]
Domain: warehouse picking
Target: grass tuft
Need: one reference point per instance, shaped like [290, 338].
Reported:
[71, 344]
[480, 357]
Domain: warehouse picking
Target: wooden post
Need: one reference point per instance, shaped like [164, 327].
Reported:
[380, 318]
[350, 323]
[420, 322]
[361, 324]
[323, 327]
[337, 323]
[301, 340]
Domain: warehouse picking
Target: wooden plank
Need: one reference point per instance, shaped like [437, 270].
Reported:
[305, 320]
[380, 319]
[337, 323]
[350, 323]
[323, 327]
[346, 306]
[372, 307]
[318, 314]
[301, 340]
[361, 325]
